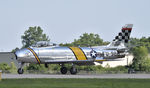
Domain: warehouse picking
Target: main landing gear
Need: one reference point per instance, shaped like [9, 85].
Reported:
[63, 70]
[73, 70]
[20, 70]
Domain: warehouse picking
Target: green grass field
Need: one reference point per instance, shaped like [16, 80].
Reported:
[75, 83]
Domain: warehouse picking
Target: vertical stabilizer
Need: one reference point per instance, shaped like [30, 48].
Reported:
[123, 36]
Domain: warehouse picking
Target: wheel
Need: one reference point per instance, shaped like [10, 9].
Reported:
[46, 65]
[130, 71]
[63, 70]
[73, 71]
[20, 71]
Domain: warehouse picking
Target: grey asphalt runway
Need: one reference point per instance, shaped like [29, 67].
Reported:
[17, 76]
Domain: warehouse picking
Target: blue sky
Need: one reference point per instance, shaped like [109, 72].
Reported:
[65, 20]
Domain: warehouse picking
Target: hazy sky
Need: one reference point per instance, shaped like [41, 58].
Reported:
[65, 20]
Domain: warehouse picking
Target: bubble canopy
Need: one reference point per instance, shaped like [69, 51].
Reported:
[43, 44]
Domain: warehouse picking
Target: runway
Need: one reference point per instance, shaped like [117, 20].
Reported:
[118, 76]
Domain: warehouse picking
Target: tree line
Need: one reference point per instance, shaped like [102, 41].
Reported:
[140, 50]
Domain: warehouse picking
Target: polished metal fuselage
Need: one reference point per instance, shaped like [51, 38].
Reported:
[57, 54]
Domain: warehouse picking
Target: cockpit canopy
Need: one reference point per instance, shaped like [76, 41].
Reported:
[44, 44]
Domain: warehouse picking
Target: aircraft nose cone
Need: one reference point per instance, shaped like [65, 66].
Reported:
[20, 53]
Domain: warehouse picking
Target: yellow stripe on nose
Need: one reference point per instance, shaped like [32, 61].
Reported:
[79, 54]
[35, 55]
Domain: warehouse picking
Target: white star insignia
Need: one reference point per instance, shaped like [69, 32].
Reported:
[93, 54]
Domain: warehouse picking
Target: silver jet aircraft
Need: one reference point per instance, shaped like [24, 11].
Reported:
[46, 53]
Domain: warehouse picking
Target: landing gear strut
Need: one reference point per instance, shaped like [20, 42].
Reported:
[73, 70]
[20, 70]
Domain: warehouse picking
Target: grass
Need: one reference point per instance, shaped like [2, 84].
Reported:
[75, 83]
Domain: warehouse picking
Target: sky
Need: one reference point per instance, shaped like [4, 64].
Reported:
[66, 20]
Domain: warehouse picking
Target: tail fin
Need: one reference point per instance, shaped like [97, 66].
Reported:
[123, 36]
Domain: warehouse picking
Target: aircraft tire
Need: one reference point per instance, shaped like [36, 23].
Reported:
[73, 71]
[46, 65]
[63, 70]
[20, 71]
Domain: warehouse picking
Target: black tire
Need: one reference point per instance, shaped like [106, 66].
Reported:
[73, 71]
[63, 70]
[20, 71]
[130, 71]
[46, 65]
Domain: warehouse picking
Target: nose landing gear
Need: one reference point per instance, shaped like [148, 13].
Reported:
[20, 70]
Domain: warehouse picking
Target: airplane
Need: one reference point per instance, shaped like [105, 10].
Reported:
[44, 52]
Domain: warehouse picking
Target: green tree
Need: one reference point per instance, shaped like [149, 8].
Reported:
[4, 67]
[87, 40]
[15, 49]
[13, 68]
[140, 42]
[36, 67]
[33, 35]
[140, 58]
